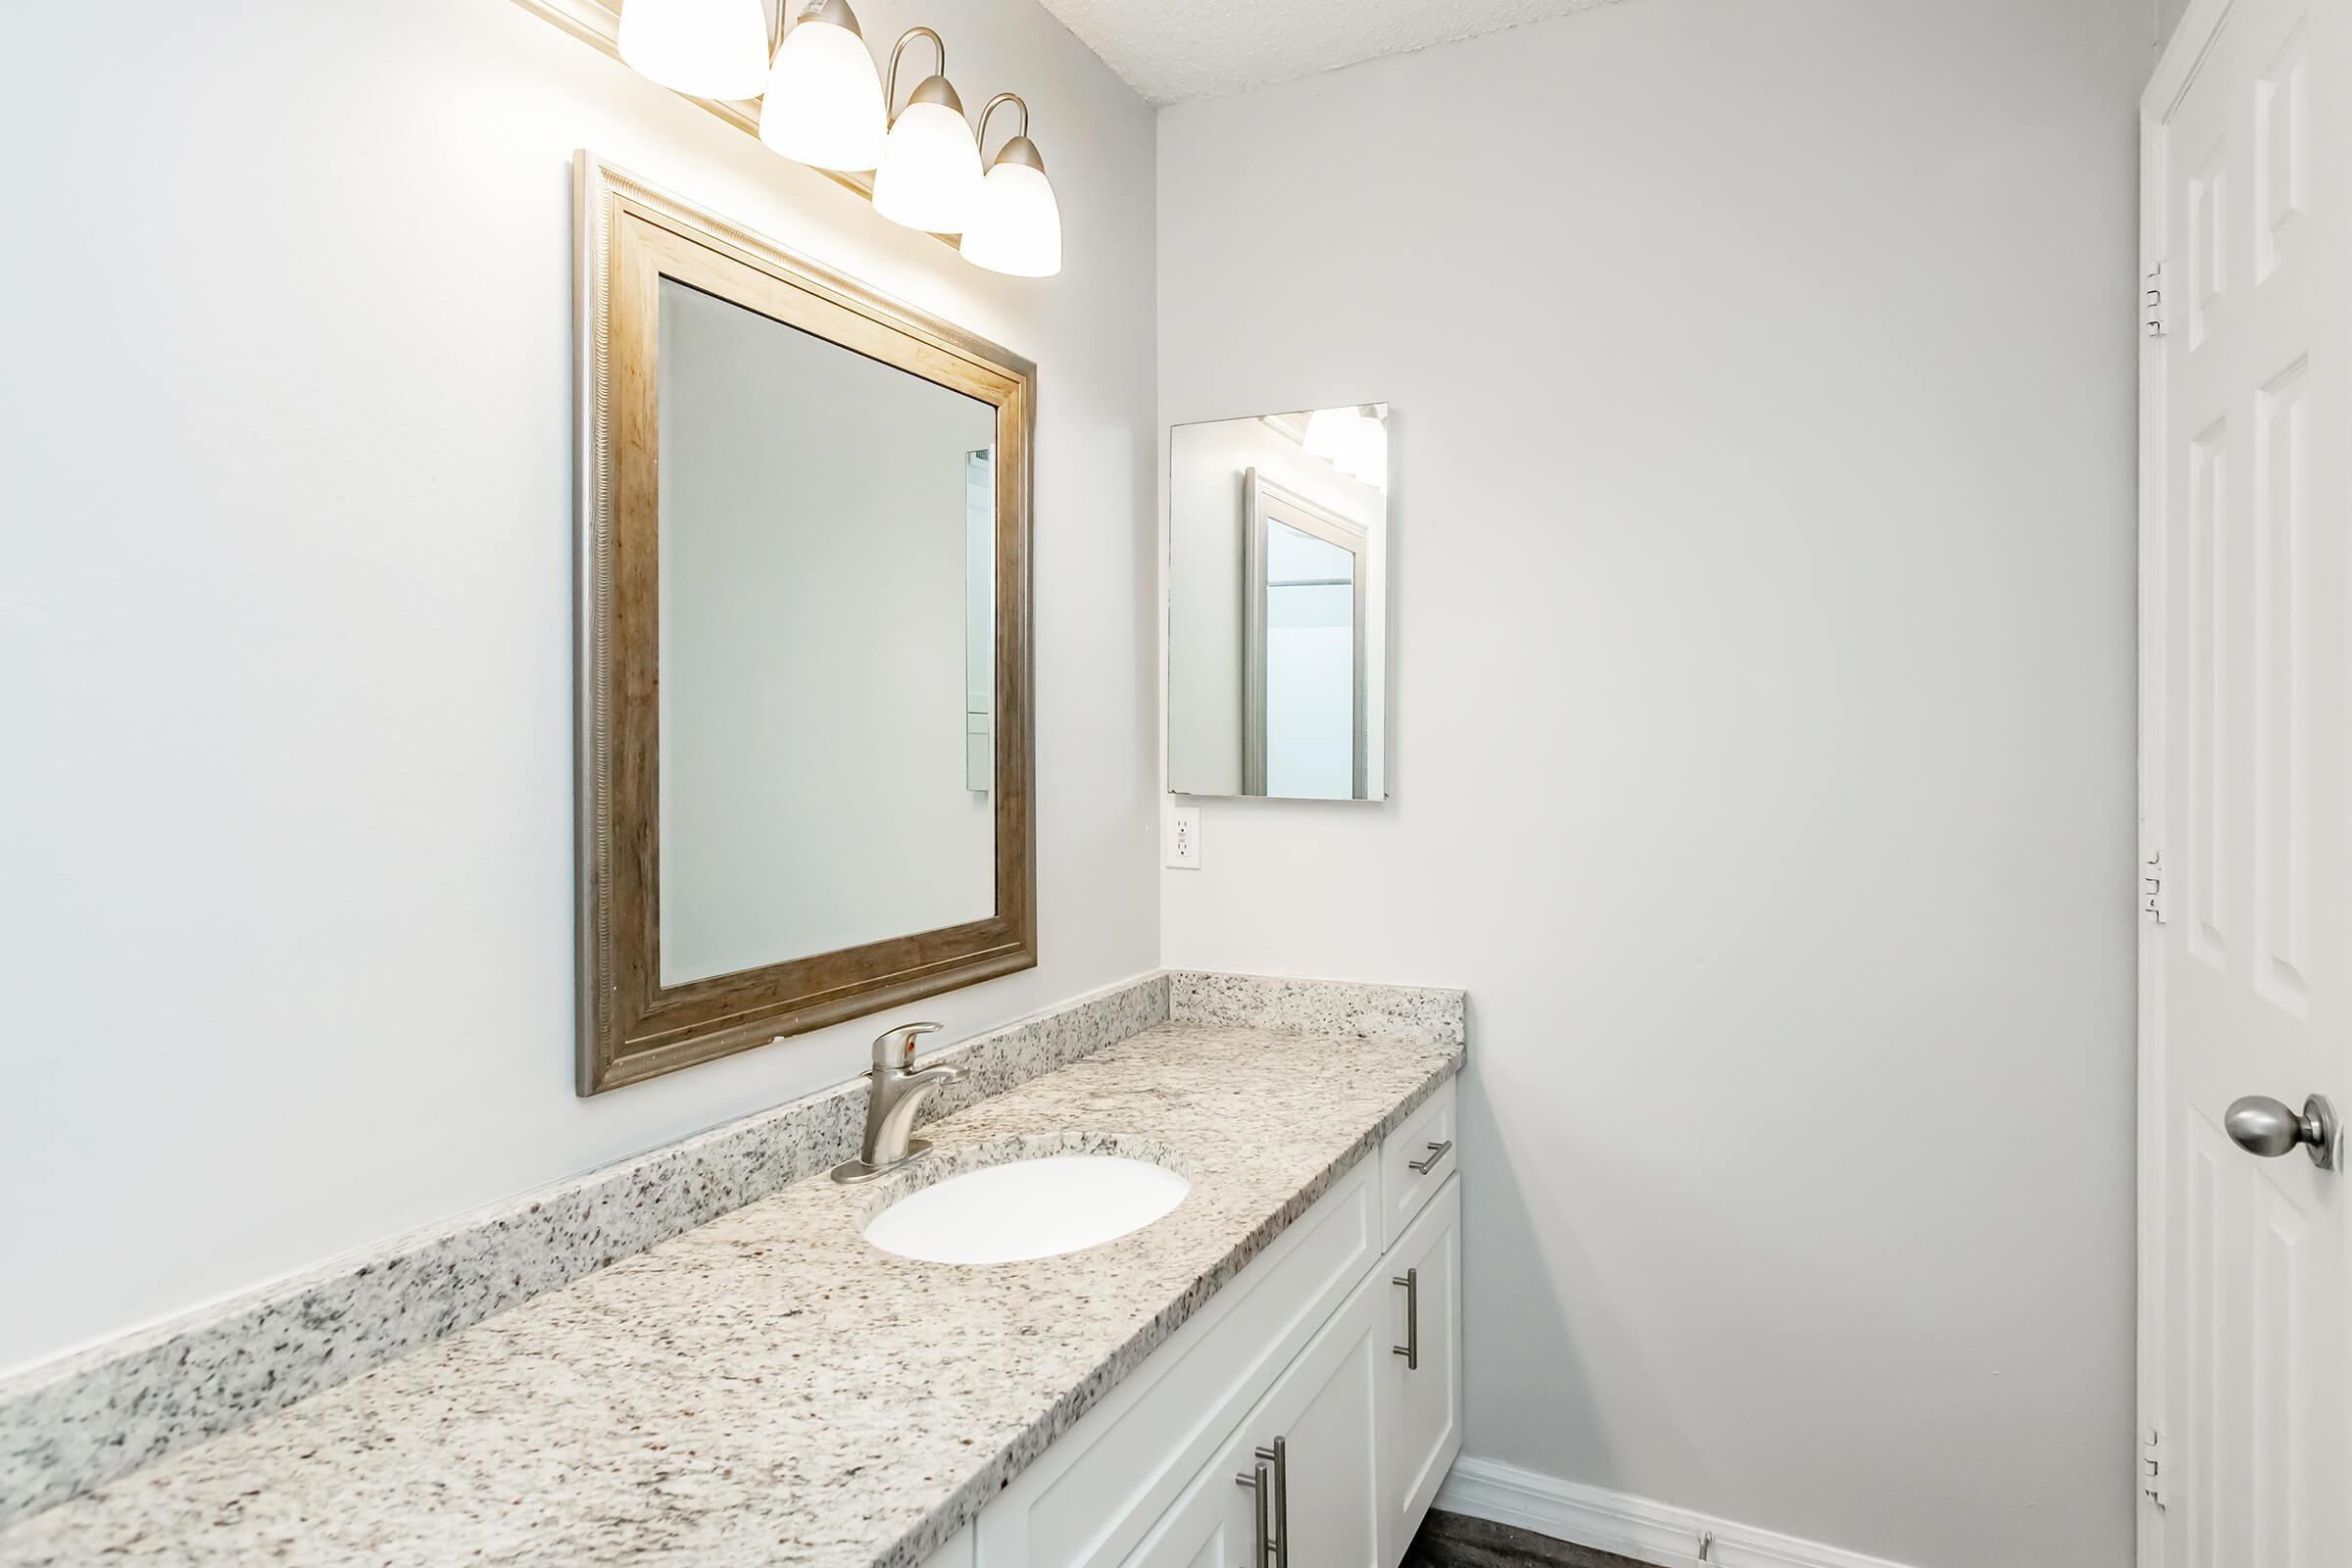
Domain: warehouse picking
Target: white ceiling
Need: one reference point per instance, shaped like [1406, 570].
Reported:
[1173, 51]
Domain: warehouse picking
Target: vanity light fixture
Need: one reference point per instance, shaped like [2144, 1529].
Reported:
[823, 104]
[702, 48]
[1017, 228]
[929, 176]
[820, 102]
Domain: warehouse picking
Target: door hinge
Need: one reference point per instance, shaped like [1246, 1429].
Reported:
[2152, 1478]
[2151, 887]
[2152, 300]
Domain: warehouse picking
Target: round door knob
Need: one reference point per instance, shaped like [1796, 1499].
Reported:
[2261, 1125]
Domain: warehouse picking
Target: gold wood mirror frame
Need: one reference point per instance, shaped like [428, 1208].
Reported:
[632, 1026]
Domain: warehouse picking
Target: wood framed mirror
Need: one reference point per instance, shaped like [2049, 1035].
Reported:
[806, 752]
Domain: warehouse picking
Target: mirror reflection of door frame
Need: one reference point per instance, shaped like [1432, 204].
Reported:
[1263, 502]
[980, 613]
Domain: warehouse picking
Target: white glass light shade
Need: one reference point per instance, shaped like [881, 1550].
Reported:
[707, 48]
[929, 177]
[1017, 227]
[823, 106]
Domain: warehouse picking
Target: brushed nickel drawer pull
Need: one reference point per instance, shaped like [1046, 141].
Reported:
[1436, 1152]
[1410, 1349]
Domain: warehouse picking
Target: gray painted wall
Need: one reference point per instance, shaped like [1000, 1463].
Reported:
[1763, 437]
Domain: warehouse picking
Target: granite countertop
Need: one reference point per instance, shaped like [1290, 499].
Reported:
[770, 1386]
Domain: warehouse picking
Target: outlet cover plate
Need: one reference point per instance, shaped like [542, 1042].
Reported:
[1184, 838]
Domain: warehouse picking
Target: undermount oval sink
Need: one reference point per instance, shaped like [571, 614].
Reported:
[1027, 1208]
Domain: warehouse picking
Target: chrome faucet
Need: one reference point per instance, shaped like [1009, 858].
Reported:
[897, 1092]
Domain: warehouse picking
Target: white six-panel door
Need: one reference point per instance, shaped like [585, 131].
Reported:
[2246, 433]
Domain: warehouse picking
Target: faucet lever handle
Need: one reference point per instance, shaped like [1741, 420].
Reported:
[895, 1047]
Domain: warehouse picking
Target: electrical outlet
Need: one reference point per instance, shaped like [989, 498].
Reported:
[1184, 836]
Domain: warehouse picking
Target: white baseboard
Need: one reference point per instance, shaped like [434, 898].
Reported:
[1632, 1527]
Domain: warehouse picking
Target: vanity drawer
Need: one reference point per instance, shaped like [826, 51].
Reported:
[1414, 1161]
[1089, 1498]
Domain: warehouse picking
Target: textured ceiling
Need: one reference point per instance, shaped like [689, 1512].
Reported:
[1172, 51]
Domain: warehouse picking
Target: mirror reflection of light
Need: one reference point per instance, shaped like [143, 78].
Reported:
[1354, 441]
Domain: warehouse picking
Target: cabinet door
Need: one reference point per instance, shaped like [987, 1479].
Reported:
[1421, 1398]
[1329, 1424]
[1326, 1490]
[1089, 1499]
[1209, 1525]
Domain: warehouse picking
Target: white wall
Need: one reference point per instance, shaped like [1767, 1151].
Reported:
[1763, 383]
[285, 582]
[814, 599]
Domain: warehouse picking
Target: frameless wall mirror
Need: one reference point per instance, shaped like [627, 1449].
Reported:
[1278, 564]
[805, 684]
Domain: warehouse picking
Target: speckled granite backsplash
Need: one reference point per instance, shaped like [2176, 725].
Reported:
[75, 1424]
[1318, 1006]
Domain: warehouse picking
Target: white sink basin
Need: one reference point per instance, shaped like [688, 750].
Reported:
[1028, 1209]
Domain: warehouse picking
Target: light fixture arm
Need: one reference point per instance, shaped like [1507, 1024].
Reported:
[942, 94]
[990, 108]
[1019, 149]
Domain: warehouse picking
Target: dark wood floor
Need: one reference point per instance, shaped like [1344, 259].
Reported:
[1457, 1541]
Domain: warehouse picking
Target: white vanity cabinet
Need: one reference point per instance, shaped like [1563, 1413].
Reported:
[1297, 1367]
